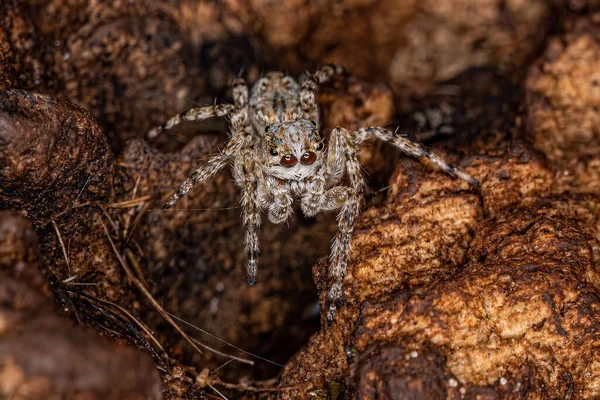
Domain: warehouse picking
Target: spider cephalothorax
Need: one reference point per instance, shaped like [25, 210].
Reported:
[294, 150]
[278, 156]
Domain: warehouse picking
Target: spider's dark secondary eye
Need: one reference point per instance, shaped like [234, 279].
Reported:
[320, 146]
[313, 123]
[273, 152]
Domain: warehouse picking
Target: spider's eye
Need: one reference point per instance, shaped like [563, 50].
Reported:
[313, 123]
[308, 158]
[320, 146]
[273, 152]
[267, 128]
[288, 160]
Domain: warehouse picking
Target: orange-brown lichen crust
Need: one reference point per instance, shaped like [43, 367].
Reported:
[563, 98]
[427, 224]
[510, 305]
[521, 301]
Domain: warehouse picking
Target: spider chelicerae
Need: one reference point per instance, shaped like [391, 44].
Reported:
[278, 155]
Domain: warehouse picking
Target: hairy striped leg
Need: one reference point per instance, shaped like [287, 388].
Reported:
[310, 86]
[412, 149]
[215, 163]
[240, 100]
[240, 92]
[348, 200]
[193, 114]
[248, 175]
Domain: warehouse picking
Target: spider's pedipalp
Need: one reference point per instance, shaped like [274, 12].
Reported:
[278, 200]
[412, 149]
[193, 114]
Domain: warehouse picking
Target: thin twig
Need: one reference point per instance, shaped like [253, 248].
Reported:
[221, 366]
[81, 283]
[62, 244]
[212, 396]
[129, 203]
[222, 341]
[107, 215]
[136, 267]
[196, 209]
[60, 214]
[136, 221]
[240, 387]
[139, 178]
[129, 315]
[128, 325]
[81, 191]
[219, 393]
[161, 311]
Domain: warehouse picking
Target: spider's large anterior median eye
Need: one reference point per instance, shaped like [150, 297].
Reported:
[308, 158]
[273, 152]
[288, 160]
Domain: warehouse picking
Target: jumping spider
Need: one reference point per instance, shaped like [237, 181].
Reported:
[278, 155]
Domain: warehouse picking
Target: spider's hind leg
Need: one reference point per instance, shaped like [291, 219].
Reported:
[215, 163]
[193, 114]
[412, 149]
[310, 86]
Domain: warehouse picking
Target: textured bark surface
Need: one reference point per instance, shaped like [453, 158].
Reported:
[44, 355]
[453, 291]
[563, 94]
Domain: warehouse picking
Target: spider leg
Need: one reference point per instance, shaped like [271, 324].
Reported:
[193, 114]
[215, 163]
[336, 160]
[247, 174]
[310, 87]
[348, 199]
[412, 149]
[240, 92]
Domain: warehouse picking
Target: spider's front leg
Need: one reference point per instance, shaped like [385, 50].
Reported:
[216, 163]
[248, 175]
[412, 149]
[348, 199]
